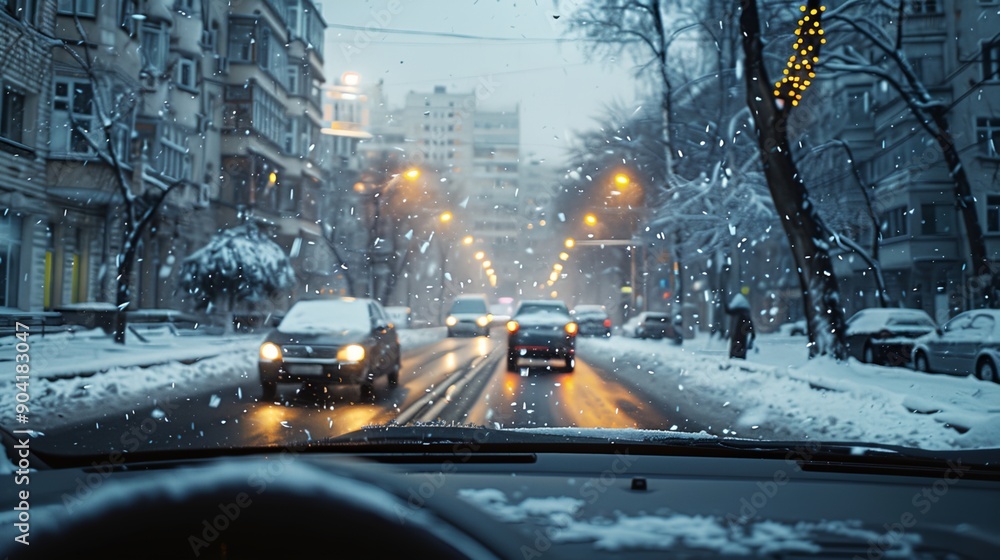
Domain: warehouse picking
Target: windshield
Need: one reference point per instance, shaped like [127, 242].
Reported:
[469, 306]
[193, 191]
[326, 316]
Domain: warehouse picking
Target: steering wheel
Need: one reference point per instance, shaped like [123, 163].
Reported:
[257, 508]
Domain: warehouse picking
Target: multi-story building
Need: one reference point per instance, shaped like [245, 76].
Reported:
[140, 79]
[494, 189]
[923, 251]
[440, 126]
[272, 115]
[26, 86]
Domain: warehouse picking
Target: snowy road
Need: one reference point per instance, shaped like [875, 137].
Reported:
[618, 383]
[459, 380]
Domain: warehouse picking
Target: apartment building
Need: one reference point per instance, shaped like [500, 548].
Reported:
[898, 170]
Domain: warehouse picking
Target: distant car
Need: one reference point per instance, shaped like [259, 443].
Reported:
[541, 329]
[469, 314]
[653, 324]
[967, 344]
[796, 328]
[401, 316]
[329, 342]
[593, 320]
[885, 335]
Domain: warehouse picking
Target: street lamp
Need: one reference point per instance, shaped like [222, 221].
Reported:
[479, 255]
[590, 220]
[468, 240]
[445, 217]
[570, 243]
[412, 174]
[564, 256]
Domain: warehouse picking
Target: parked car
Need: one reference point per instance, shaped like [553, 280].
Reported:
[967, 344]
[592, 319]
[885, 335]
[401, 316]
[469, 314]
[329, 342]
[541, 329]
[653, 324]
[795, 328]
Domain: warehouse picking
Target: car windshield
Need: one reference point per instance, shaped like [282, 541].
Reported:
[469, 306]
[326, 316]
[538, 308]
[196, 192]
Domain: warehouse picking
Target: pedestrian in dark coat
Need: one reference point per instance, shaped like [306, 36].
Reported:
[741, 333]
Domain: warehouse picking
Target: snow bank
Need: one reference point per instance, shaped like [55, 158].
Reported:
[778, 392]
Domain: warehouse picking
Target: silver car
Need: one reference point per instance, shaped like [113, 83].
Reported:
[967, 344]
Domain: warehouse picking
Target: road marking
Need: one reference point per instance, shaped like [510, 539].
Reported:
[426, 409]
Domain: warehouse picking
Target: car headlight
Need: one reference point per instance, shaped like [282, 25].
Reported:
[270, 351]
[483, 321]
[351, 353]
[571, 328]
[451, 321]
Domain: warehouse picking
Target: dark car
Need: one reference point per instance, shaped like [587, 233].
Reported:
[593, 320]
[328, 342]
[653, 324]
[885, 335]
[541, 329]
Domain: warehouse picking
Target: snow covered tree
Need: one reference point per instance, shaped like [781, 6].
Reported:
[238, 266]
[771, 104]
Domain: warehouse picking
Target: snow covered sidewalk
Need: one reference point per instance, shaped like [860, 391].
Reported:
[778, 390]
[83, 353]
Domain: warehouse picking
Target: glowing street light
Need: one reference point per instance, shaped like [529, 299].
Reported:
[468, 240]
[445, 217]
[479, 255]
[487, 264]
[622, 180]
[412, 174]
[564, 256]
[590, 220]
[557, 267]
[570, 243]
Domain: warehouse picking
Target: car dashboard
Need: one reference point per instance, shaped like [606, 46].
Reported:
[469, 501]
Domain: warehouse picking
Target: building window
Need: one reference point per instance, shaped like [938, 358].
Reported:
[12, 115]
[988, 136]
[23, 10]
[86, 8]
[241, 39]
[171, 157]
[154, 45]
[128, 9]
[185, 7]
[186, 74]
[991, 61]
[72, 116]
[895, 223]
[10, 259]
[993, 213]
[924, 7]
[937, 219]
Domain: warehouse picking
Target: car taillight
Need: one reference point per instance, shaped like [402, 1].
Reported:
[512, 327]
[607, 323]
[571, 328]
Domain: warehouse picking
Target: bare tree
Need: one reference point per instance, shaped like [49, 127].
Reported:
[114, 104]
[771, 105]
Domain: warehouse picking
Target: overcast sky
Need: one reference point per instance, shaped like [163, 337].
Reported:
[559, 88]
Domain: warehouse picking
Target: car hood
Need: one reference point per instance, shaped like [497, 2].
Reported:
[332, 338]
